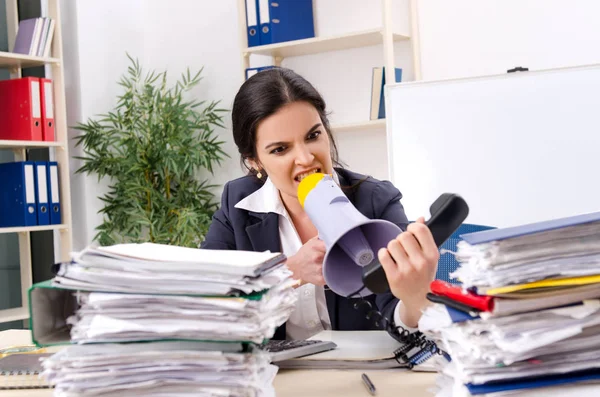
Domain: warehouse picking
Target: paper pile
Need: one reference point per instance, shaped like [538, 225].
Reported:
[182, 337]
[527, 317]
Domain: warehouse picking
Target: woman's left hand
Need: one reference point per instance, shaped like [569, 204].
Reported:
[410, 263]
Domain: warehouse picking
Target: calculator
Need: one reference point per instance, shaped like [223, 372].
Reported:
[280, 350]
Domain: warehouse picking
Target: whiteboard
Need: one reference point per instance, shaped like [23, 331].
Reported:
[519, 147]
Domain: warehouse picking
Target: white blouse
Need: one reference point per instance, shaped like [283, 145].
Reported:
[310, 315]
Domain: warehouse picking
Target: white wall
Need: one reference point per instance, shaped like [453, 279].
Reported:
[458, 38]
[163, 36]
[463, 38]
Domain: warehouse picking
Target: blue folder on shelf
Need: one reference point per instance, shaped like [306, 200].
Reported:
[487, 236]
[252, 25]
[17, 194]
[377, 91]
[53, 193]
[41, 192]
[285, 20]
[252, 71]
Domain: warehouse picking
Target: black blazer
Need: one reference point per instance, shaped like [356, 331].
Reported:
[237, 229]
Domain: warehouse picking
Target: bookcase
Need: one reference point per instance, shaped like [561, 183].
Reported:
[15, 63]
[384, 35]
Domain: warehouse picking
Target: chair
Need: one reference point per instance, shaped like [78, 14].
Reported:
[448, 263]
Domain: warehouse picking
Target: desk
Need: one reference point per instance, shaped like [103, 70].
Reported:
[296, 382]
[347, 383]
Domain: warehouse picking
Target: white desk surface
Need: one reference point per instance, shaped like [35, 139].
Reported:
[296, 382]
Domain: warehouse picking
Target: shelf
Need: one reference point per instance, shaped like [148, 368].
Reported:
[361, 126]
[18, 313]
[322, 44]
[12, 60]
[31, 228]
[8, 144]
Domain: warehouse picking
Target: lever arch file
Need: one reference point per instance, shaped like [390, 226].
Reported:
[41, 193]
[17, 194]
[47, 104]
[53, 193]
[20, 109]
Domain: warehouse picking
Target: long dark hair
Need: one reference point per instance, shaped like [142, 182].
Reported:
[263, 95]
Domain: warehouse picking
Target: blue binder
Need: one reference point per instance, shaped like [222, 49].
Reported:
[252, 25]
[487, 236]
[382, 99]
[285, 20]
[252, 71]
[41, 192]
[17, 194]
[53, 193]
[535, 382]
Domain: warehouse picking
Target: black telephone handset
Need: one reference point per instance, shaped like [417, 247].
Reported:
[447, 213]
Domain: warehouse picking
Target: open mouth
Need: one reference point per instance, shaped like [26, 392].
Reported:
[299, 177]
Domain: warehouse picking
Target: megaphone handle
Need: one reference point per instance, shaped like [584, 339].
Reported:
[447, 213]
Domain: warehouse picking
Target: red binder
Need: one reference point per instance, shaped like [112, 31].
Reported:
[47, 97]
[20, 109]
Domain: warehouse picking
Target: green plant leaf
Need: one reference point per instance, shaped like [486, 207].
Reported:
[152, 148]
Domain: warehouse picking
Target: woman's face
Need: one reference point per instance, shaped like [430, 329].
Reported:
[292, 144]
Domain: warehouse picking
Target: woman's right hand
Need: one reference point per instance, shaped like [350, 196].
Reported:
[307, 264]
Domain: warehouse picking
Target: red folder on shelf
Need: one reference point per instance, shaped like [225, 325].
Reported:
[20, 109]
[47, 98]
[454, 292]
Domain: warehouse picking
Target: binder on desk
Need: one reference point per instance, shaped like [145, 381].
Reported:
[20, 109]
[285, 20]
[17, 194]
[53, 193]
[487, 236]
[252, 23]
[377, 93]
[47, 104]
[41, 193]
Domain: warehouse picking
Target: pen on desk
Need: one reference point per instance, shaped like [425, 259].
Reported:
[370, 386]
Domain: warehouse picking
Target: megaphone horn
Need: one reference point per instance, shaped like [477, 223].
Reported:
[351, 239]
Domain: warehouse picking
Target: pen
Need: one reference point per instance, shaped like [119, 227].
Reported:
[370, 386]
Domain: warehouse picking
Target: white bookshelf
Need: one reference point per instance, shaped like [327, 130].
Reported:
[27, 229]
[19, 313]
[361, 126]
[4, 144]
[15, 63]
[384, 35]
[323, 44]
[11, 60]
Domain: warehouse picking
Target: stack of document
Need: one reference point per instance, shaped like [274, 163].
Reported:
[160, 369]
[157, 268]
[164, 320]
[527, 315]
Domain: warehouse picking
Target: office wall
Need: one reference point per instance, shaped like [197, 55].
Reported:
[462, 38]
[162, 35]
[459, 38]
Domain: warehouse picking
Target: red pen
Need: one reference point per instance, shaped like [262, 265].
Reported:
[455, 292]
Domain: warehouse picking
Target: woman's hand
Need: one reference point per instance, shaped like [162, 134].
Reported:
[307, 264]
[410, 263]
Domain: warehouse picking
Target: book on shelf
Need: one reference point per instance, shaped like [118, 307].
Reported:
[34, 37]
[377, 99]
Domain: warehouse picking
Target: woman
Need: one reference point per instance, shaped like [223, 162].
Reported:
[281, 129]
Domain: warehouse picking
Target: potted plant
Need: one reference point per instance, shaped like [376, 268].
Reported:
[153, 146]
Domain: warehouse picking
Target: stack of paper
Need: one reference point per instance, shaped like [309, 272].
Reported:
[160, 369]
[528, 313]
[157, 268]
[182, 338]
